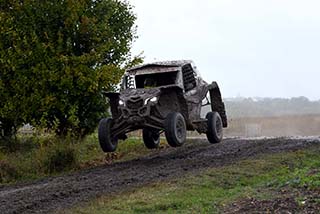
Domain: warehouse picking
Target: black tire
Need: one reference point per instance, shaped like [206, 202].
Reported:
[151, 138]
[215, 127]
[175, 129]
[107, 142]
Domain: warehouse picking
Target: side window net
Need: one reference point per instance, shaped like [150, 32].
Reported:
[130, 82]
[189, 79]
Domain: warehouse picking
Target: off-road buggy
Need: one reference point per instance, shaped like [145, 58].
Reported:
[163, 97]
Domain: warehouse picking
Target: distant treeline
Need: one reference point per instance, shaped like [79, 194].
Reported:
[270, 107]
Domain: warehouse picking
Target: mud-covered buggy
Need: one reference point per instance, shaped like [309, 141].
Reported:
[163, 97]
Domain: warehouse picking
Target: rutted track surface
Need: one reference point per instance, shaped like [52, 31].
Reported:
[65, 191]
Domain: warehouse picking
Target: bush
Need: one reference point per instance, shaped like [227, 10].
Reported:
[57, 158]
[18, 144]
[7, 172]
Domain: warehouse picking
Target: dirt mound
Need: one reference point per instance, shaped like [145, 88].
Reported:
[285, 202]
[65, 191]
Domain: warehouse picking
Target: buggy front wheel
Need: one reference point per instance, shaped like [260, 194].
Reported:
[151, 138]
[108, 143]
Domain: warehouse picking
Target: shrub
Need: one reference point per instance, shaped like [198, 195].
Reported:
[57, 158]
[7, 172]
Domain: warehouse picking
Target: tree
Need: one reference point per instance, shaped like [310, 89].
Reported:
[56, 57]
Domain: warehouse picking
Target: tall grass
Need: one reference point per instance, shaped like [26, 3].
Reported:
[35, 156]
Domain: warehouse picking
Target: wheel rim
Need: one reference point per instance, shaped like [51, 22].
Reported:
[219, 127]
[155, 137]
[113, 139]
[180, 127]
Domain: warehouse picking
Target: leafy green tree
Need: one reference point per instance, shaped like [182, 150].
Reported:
[56, 57]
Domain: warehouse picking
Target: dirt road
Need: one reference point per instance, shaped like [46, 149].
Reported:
[61, 192]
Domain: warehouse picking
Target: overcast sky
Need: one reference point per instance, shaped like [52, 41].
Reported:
[265, 48]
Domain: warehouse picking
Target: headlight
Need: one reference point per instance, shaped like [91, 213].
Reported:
[121, 103]
[153, 99]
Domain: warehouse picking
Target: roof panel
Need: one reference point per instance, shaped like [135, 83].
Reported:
[177, 63]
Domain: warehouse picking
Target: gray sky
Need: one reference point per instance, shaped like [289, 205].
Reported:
[266, 48]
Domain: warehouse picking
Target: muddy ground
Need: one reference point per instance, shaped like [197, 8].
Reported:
[62, 192]
[285, 201]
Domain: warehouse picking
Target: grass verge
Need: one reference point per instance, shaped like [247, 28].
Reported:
[223, 190]
[36, 157]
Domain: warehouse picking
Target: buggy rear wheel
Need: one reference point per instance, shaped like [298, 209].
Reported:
[175, 129]
[215, 130]
[108, 143]
[151, 138]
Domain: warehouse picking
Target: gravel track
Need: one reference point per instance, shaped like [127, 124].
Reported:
[56, 193]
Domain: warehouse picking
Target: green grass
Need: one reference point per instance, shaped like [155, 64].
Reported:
[34, 157]
[213, 190]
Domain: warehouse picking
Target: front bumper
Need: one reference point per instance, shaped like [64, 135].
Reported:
[134, 115]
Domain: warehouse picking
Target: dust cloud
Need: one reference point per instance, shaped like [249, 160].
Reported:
[294, 125]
